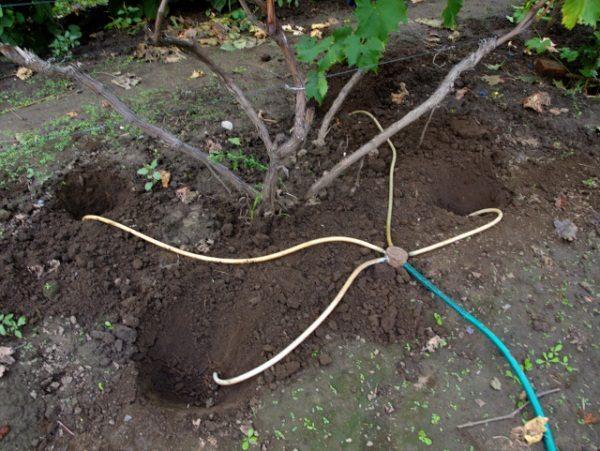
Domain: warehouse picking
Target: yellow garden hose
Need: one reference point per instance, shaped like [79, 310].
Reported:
[235, 261]
[330, 239]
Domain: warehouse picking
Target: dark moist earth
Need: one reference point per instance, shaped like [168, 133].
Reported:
[123, 337]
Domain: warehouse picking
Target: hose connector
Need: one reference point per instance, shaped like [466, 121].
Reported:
[396, 256]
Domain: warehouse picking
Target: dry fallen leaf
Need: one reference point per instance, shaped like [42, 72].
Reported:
[318, 34]
[126, 81]
[558, 111]
[72, 114]
[433, 23]
[24, 73]
[4, 430]
[197, 74]
[561, 202]
[434, 343]
[151, 53]
[422, 382]
[454, 36]
[6, 353]
[537, 101]
[533, 430]
[399, 97]
[260, 34]
[492, 80]
[565, 229]
[165, 178]
[210, 42]
[295, 29]
[319, 26]
[460, 93]
[185, 195]
[587, 417]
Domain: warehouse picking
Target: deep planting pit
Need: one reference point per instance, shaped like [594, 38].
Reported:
[467, 188]
[91, 191]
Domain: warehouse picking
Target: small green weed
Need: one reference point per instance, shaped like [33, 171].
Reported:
[249, 439]
[128, 18]
[424, 438]
[591, 183]
[435, 418]
[553, 357]
[151, 173]
[237, 159]
[439, 320]
[11, 326]
[63, 43]
[107, 325]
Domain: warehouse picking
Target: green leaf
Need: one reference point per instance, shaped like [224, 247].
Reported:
[8, 319]
[568, 55]
[18, 334]
[245, 445]
[316, 86]
[370, 53]
[235, 141]
[308, 49]
[252, 439]
[585, 12]
[21, 321]
[156, 175]
[352, 49]
[450, 12]
[334, 55]
[539, 45]
[148, 186]
[250, 432]
[142, 171]
[154, 164]
[2, 330]
[558, 348]
[379, 18]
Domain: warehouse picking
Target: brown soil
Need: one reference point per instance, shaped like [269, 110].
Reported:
[190, 319]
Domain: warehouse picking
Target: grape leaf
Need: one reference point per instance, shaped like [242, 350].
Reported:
[310, 48]
[370, 53]
[316, 86]
[568, 54]
[352, 49]
[450, 12]
[540, 45]
[380, 18]
[585, 12]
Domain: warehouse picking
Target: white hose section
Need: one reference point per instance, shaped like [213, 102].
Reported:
[236, 261]
[462, 236]
[294, 344]
[331, 239]
[282, 354]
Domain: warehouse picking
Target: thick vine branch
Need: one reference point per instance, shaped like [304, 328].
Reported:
[28, 59]
[160, 16]
[433, 101]
[335, 106]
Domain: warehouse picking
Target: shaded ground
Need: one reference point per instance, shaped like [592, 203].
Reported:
[140, 331]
